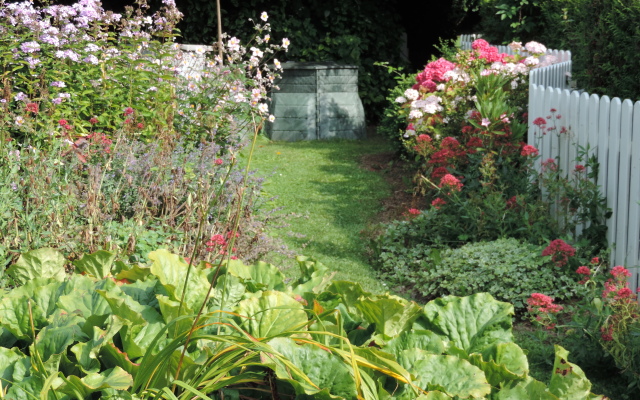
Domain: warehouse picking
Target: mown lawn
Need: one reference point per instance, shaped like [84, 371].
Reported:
[328, 198]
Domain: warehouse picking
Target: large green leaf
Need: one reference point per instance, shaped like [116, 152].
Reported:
[267, 276]
[527, 388]
[87, 352]
[314, 276]
[80, 295]
[501, 362]
[327, 372]
[16, 314]
[415, 339]
[350, 294]
[171, 271]
[392, 315]
[171, 310]
[29, 388]
[97, 265]
[14, 366]
[451, 375]
[40, 263]
[44, 292]
[56, 337]
[471, 323]
[271, 314]
[568, 380]
[115, 378]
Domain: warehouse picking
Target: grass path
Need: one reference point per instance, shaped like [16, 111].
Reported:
[330, 198]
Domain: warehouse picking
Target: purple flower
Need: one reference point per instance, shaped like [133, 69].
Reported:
[57, 100]
[20, 97]
[91, 59]
[30, 47]
[59, 84]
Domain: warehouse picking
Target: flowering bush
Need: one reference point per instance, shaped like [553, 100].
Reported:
[84, 92]
[608, 314]
[449, 99]
[105, 71]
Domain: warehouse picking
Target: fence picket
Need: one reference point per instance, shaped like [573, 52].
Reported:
[612, 177]
[633, 246]
[626, 126]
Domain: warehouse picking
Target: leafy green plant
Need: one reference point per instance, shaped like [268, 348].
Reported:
[506, 268]
[132, 334]
[605, 320]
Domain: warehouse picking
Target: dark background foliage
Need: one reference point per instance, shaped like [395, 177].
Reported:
[353, 32]
[603, 36]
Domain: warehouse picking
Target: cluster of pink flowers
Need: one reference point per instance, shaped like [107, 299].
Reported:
[487, 52]
[450, 183]
[559, 251]
[621, 299]
[528, 151]
[543, 307]
[433, 73]
[542, 303]
[438, 202]
[216, 240]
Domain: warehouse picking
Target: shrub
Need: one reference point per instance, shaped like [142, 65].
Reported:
[506, 268]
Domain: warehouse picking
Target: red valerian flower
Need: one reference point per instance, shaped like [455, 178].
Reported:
[543, 303]
[93, 120]
[583, 270]
[580, 168]
[437, 203]
[414, 211]
[528, 151]
[218, 161]
[128, 111]
[559, 251]
[140, 125]
[451, 183]
[63, 122]
[32, 107]
[620, 271]
[539, 121]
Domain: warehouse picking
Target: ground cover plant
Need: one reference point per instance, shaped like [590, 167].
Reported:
[118, 330]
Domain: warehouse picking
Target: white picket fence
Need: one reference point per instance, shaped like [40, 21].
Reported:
[611, 130]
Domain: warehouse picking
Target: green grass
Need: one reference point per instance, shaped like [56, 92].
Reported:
[330, 200]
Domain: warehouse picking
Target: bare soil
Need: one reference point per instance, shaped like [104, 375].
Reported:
[399, 175]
